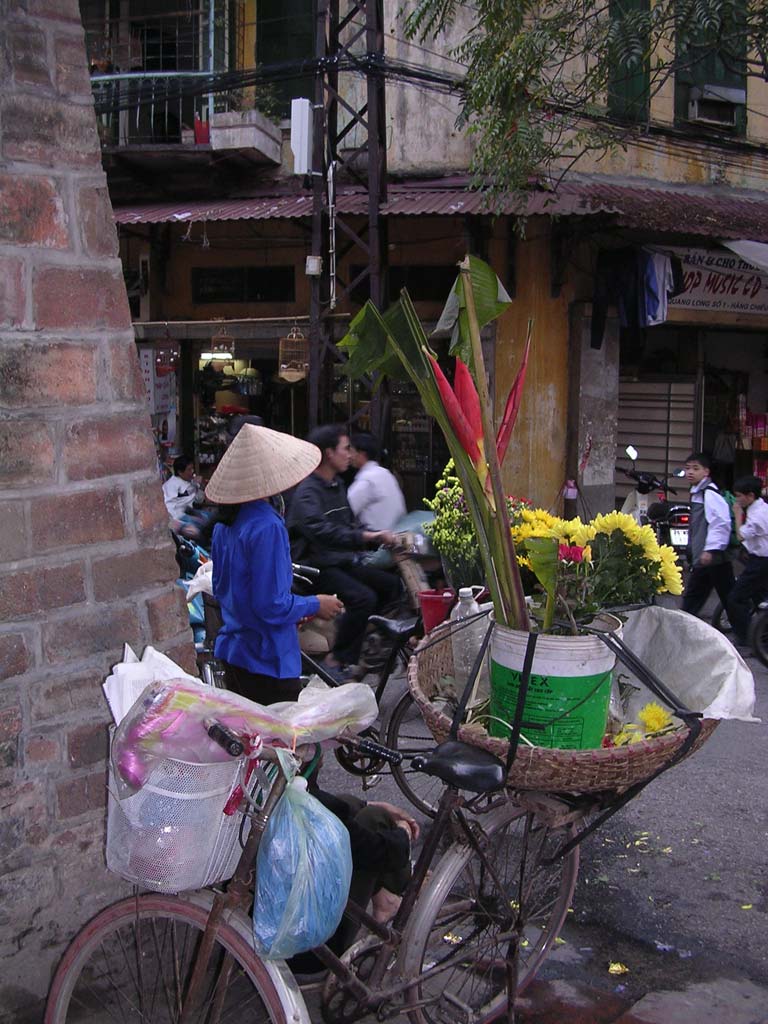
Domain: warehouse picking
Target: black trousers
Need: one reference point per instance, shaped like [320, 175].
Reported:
[364, 591]
[751, 584]
[703, 579]
[260, 688]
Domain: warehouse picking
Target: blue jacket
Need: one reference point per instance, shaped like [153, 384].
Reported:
[252, 580]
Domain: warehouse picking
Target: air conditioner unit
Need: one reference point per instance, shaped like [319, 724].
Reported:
[715, 105]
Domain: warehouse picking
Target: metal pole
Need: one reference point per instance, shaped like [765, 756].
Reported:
[318, 163]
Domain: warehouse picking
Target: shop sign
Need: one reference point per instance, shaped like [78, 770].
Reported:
[720, 281]
[160, 389]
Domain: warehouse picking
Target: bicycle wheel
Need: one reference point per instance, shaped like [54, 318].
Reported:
[475, 907]
[133, 963]
[408, 733]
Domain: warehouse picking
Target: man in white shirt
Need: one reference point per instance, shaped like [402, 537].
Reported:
[710, 534]
[182, 489]
[751, 516]
[374, 495]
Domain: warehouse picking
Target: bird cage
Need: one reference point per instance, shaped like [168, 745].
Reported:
[222, 345]
[293, 356]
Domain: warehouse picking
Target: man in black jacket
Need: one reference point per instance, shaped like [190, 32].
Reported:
[326, 535]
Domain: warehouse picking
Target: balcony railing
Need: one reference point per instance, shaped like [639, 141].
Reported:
[138, 108]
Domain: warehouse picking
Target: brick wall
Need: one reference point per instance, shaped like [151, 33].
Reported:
[85, 560]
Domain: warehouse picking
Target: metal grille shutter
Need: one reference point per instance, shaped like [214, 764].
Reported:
[659, 419]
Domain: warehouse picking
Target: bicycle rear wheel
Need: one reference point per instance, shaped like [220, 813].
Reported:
[407, 733]
[133, 963]
[477, 907]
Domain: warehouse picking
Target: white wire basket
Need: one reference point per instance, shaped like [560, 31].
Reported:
[173, 834]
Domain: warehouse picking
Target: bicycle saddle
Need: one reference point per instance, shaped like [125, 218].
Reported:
[395, 629]
[465, 767]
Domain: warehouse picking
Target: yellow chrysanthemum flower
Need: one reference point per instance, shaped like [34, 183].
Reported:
[654, 717]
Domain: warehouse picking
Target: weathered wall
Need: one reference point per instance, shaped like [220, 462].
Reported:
[86, 562]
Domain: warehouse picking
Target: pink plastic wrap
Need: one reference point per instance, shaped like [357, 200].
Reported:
[168, 721]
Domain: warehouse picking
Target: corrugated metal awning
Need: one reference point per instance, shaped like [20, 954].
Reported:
[714, 212]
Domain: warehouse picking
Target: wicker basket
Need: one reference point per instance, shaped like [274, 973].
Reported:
[541, 768]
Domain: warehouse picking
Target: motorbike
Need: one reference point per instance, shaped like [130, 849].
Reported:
[670, 520]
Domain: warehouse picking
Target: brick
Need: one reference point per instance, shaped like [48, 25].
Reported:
[50, 132]
[81, 796]
[15, 655]
[42, 749]
[184, 655]
[89, 744]
[56, 697]
[37, 590]
[124, 374]
[67, 298]
[13, 531]
[122, 575]
[27, 454]
[10, 723]
[149, 512]
[105, 447]
[12, 292]
[28, 55]
[39, 375]
[32, 212]
[91, 632]
[97, 225]
[168, 614]
[71, 72]
[69, 520]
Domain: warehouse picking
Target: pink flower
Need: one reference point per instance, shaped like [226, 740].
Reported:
[570, 553]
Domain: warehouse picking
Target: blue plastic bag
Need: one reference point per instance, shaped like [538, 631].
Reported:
[303, 871]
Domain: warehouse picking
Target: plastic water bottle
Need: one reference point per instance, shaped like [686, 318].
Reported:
[466, 640]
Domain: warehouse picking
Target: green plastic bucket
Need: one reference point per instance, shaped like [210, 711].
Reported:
[569, 689]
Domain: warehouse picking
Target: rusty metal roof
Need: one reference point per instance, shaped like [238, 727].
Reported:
[713, 211]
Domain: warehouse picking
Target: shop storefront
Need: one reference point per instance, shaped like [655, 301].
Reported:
[699, 381]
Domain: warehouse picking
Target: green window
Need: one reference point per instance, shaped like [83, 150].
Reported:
[628, 93]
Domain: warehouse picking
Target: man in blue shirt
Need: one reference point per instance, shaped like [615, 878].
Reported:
[252, 573]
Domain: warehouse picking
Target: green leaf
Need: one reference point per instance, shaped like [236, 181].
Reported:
[542, 552]
[491, 299]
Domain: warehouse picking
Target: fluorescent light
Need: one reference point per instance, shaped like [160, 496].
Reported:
[215, 355]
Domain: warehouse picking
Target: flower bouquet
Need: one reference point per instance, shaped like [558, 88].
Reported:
[573, 569]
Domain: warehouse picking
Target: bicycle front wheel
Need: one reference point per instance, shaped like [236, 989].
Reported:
[133, 963]
[477, 909]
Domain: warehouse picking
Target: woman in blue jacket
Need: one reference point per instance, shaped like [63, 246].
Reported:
[252, 573]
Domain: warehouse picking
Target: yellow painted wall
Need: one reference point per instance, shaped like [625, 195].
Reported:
[535, 463]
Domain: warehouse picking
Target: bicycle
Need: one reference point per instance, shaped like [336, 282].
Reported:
[189, 958]
[469, 936]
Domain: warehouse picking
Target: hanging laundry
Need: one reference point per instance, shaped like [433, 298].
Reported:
[639, 283]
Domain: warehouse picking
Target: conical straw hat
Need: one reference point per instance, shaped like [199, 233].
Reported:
[259, 463]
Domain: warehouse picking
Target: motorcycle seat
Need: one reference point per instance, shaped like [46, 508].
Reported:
[465, 767]
[395, 629]
[659, 509]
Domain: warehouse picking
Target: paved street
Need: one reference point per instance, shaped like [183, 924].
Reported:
[675, 889]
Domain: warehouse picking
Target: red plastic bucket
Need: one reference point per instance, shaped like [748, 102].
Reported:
[435, 605]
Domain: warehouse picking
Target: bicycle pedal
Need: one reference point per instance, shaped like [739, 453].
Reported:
[369, 781]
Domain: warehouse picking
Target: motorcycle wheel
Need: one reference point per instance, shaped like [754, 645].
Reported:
[758, 634]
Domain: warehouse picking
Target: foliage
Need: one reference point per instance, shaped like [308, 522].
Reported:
[539, 73]
[452, 531]
[582, 568]
[373, 344]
